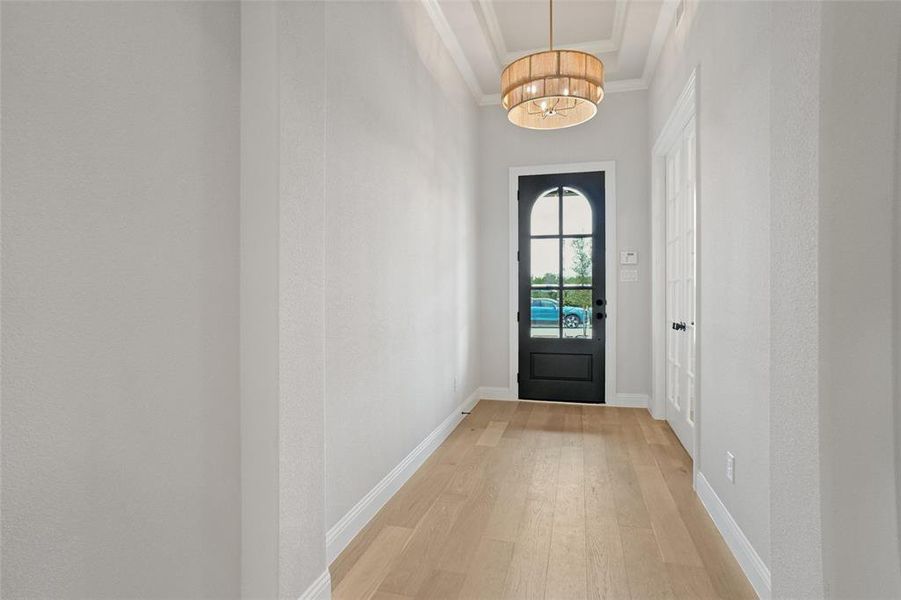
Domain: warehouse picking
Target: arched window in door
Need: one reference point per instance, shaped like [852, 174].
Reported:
[561, 264]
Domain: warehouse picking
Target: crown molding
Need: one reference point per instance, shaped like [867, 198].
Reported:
[447, 35]
[490, 100]
[625, 85]
[505, 56]
[491, 29]
[665, 21]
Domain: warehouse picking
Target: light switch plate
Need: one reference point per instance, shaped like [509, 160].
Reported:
[628, 275]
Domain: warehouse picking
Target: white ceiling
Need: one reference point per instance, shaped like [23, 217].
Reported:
[484, 35]
[524, 25]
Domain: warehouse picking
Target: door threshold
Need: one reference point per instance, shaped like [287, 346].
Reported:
[560, 402]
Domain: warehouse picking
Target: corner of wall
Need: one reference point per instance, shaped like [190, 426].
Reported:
[282, 302]
[795, 443]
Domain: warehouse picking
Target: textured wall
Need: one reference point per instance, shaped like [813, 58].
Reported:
[797, 569]
[729, 43]
[260, 168]
[896, 271]
[400, 241]
[618, 132]
[860, 51]
[282, 302]
[120, 300]
[303, 316]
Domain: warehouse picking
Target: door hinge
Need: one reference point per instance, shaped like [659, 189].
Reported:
[517, 256]
[517, 378]
[517, 316]
[518, 195]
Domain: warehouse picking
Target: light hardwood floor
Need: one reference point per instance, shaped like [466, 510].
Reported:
[539, 500]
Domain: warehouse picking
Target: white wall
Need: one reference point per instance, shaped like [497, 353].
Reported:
[618, 132]
[858, 136]
[834, 413]
[400, 241]
[260, 170]
[282, 341]
[798, 139]
[729, 42]
[120, 308]
[302, 308]
[795, 515]
[897, 301]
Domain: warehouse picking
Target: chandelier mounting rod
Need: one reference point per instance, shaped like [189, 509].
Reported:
[551, 25]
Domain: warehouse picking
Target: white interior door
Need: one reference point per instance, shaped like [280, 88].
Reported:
[681, 334]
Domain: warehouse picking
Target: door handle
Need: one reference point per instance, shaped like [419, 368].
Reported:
[679, 326]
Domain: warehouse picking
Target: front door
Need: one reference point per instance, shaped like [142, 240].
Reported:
[681, 338]
[561, 287]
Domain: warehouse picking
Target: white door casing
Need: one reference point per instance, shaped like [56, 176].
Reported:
[681, 267]
[609, 169]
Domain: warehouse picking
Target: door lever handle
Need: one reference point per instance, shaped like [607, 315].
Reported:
[679, 326]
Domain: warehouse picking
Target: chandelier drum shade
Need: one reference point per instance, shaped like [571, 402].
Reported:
[552, 89]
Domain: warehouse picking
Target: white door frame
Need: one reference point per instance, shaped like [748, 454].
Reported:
[610, 253]
[685, 108]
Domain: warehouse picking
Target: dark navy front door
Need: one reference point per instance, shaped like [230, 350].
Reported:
[562, 307]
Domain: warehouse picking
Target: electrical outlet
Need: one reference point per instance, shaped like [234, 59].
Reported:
[730, 467]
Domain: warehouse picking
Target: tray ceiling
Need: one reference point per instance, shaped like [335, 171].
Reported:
[484, 35]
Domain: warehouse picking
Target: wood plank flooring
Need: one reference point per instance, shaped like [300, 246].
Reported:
[538, 500]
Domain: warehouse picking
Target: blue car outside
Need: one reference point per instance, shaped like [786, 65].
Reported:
[546, 312]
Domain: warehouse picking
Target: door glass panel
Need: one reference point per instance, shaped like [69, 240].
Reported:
[545, 261]
[545, 313]
[577, 261]
[576, 213]
[577, 314]
[546, 215]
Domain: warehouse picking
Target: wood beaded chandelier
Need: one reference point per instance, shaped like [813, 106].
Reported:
[552, 89]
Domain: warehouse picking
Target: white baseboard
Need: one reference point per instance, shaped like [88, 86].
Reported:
[321, 589]
[494, 393]
[339, 536]
[657, 411]
[622, 399]
[748, 559]
[630, 400]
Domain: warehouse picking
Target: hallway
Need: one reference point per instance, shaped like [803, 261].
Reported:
[298, 299]
[500, 511]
